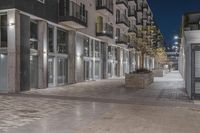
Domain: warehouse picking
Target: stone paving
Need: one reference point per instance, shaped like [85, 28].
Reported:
[102, 107]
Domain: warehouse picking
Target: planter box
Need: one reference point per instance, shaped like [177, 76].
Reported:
[158, 73]
[139, 80]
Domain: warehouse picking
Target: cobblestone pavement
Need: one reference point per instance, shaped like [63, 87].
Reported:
[102, 107]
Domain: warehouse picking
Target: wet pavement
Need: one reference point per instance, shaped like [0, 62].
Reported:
[102, 107]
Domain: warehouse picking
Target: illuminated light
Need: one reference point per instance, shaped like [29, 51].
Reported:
[176, 37]
[176, 43]
[104, 31]
[116, 38]
[2, 56]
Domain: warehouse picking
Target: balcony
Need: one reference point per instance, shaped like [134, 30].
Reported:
[122, 3]
[72, 14]
[104, 5]
[132, 13]
[104, 30]
[132, 29]
[122, 39]
[192, 26]
[122, 19]
[145, 7]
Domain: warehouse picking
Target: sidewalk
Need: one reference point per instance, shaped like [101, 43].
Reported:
[168, 88]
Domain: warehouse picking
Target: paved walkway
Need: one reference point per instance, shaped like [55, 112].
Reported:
[102, 107]
[168, 88]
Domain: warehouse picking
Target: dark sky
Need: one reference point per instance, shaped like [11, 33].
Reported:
[168, 13]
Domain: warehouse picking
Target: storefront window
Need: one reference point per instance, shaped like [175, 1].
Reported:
[62, 70]
[109, 52]
[115, 53]
[33, 35]
[86, 47]
[50, 39]
[62, 41]
[97, 49]
[3, 19]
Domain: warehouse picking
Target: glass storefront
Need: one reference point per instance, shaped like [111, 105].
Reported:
[3, 71]
[3, 53]
[62, 71]
[57, 57]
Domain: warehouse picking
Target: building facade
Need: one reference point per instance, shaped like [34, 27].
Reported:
[47, 43]
[189, 59]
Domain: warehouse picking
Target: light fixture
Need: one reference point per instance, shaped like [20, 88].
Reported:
[176, 37]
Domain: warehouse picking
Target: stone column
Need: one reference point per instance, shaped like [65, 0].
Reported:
[104, 61]
[71, 57]
[13, 28]
[42, 55]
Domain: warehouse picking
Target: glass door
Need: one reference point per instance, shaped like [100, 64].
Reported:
[62, 71]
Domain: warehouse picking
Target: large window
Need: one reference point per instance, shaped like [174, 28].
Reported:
[3, 31]
[86, 47]
[34, 35]
[97, 49]
[62, 41]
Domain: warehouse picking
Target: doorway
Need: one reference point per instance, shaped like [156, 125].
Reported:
[195, 71]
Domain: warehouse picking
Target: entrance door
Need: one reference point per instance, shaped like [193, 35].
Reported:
[195, 70]
[62, 72]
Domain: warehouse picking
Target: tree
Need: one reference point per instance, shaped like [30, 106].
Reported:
[161, 56]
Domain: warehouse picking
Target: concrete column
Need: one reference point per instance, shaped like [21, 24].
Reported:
[104, 61]
[13, 28]
[42, 55]
[71, 57]
[55, 78]
[24, 52]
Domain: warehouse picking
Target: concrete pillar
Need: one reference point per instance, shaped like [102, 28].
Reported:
[104, 61]
[55, 77]
[71, 57]
[42, 55]
[13, 50]
[24, 52]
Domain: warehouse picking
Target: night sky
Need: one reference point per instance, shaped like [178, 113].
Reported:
[168, 13]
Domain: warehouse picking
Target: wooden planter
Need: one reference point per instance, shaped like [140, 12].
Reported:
[138, 80]
[158, 73]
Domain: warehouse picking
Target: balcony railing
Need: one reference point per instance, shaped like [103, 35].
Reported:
[104, 29]
[105, 4]
[122, 39]
[131, 12]
[192, 26]
[122, 19]
[71, 11]
[125, 2]
[133, 29]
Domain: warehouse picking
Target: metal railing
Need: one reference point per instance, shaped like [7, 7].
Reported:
[104, 29]
[125, 2]
[105, 4]
[69, 10]
[122, 19]
[122, 38]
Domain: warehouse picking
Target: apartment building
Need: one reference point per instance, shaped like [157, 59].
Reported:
[189, 56]
[47, 43]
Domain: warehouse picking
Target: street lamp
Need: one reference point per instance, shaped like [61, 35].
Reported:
[176, 37]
